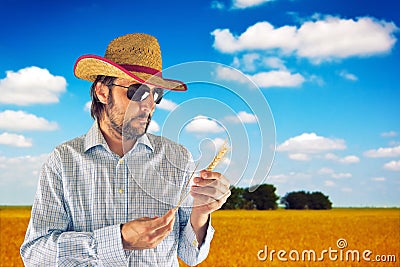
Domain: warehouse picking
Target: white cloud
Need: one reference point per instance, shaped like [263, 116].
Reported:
[389, 134]
[217, 5]
[341, 175]
[260, 36]
[167, 105]
[284, 178]
[378, 179]
[241, 4]
[392, 165]
[349, 159]
[28, 170]
[333, 174]
[383, 152]
[230, 74]
[217, 143]
[348, 76]
[88, 106]
[345, 160]
[15, 140]
[21, 121]
[275, 63]
[31, 85]
[299, 156]
[249, 61]
[329, 183]
[326, 170]
[316, 79]
[153, 127]
[309, 143]
[242, 117]
[203, 124]
[275, 78]
[318, 40]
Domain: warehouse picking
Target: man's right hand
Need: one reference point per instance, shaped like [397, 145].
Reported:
[147, 232]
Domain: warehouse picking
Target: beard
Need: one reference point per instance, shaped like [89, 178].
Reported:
[122, 124]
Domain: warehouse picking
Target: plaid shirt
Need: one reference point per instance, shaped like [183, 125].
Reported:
[86, 192]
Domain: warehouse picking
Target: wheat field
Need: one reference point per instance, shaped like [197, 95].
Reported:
[271, 238]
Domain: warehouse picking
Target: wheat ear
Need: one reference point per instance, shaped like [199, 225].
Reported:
[224, 148]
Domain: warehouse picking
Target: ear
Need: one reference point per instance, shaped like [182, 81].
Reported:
[102, 92]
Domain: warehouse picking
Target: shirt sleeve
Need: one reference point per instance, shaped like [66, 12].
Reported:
[50, 239]
[188, 249]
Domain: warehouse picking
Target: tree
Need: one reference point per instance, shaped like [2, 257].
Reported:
[306, 200]
[235, 200]
[295, 200]
[262, 199]
[318, 201]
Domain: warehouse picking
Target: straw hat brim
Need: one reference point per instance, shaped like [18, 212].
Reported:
[88, 67]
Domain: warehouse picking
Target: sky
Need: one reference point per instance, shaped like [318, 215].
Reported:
[306, 92]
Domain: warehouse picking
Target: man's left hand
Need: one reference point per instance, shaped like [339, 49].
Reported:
[210, 191]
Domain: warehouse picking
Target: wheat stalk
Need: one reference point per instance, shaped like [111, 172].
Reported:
[184, 196]
[224, 148]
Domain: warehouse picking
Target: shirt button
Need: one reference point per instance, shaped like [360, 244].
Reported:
[121, 191]
[195, 244]
[121, 161]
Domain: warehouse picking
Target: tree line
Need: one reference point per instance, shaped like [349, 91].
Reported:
[265, 198]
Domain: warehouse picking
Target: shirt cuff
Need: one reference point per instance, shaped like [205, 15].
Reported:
[189, 237]
[109, 246]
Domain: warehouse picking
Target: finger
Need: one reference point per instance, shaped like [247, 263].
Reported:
[207, 178]
[207, 202]
[164, 220]
[151, 239]
[209, 175]
[161, 233]
[210, 192]
[219, 185]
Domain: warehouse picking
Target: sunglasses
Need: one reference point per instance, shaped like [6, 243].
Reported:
[139, 92]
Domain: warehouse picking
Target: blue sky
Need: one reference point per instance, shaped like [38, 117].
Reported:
[327, 69]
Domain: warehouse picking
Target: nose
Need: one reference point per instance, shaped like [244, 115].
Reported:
[148, 103]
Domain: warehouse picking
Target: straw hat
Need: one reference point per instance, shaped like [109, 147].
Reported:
[134, 57]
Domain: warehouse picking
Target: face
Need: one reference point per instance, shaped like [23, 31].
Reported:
[129, 119]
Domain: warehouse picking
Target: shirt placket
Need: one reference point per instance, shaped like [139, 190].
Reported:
[120, 191]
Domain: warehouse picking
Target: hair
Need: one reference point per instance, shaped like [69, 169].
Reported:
[97, 107]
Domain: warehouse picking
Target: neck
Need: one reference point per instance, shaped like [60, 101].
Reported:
[114, 140]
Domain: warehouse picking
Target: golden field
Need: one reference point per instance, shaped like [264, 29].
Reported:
[240, 235]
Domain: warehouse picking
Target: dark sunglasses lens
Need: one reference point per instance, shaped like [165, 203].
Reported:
[158, 95]
[139, 92]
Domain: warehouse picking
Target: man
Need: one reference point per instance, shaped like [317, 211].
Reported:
[109, 198]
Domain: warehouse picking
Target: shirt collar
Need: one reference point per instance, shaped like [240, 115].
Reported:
[144, 140]
[94, 137]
